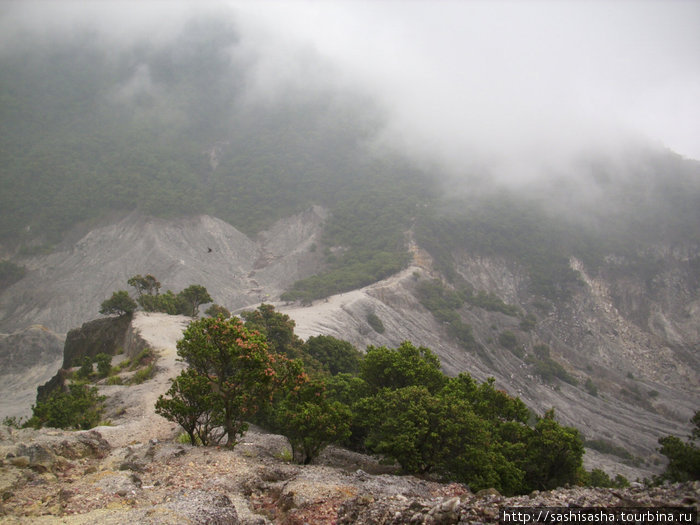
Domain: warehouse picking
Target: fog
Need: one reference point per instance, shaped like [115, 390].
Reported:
[516, 88]
[511, 91]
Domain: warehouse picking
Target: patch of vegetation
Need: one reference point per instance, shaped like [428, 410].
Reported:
[600, 478]
[528, 322]
[590, 387]
[79, 406]
[143, 374]
[216, 310]
[607, 447]
[375, 322]
[509, 341]
[547, 368]
[336, 355]
[143, 358]
[443, 303]
[490, 301]
[399, 405]
[683, 457]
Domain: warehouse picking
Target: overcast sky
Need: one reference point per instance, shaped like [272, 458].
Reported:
[534, 81]
[517, 85]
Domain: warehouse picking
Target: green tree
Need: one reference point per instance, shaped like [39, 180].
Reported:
[405, 425]
[144, 285]
[192, 297]
[683, 458]
[277, 327]
[311, 421]
[554, 455]
[407, 365]
[193, 404]
[337, 355]
[119, 304]
[237, 365]
[216, 310]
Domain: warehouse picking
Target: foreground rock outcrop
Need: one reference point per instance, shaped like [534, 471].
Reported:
[79, 478]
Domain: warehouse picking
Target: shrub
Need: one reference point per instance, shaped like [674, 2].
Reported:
[119, 304]
[104, 364]
[375, 322]
[142, 375]
[79, 407]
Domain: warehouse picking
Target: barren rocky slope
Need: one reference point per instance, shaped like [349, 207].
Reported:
[64, 289]
[28, 358]
[135, 472]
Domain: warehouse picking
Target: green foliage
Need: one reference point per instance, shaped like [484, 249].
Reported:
[683, 458]
[104, 364]
[192, 404]
[468, 432]
[236, 370]
[490, 301]
[276, 327]
[119, 304]
[144, 285]
[547, 368]
[85, 370]
[216, 310]
[192, 297]
[144, 357]
[607, 447]
[143, 374]
[599, 478]
[10, 273]
[404, 424]
[508, 340]
[79, 407]
[508, 227]
[528, 322]
[375, 322]
[311, 421]
[336, 355]
[407, 365]
[443, 304]
[167, 302]
[13, 421]
[553, 455]
[590, 387]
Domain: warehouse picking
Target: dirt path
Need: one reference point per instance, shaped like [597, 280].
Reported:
[161, 332]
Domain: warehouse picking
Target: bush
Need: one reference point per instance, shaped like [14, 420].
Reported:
[142, 375]
[104, 364]
[79, 407]
[119, 304]
[375, 322]
[336, 355]
[310, 421]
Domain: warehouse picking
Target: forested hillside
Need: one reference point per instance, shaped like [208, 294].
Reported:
[94, 128]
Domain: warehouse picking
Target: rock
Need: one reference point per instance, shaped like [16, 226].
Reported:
[203, 508]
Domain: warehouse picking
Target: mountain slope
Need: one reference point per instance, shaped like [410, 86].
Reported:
[65, 288]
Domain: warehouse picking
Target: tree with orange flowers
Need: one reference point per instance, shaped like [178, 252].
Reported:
[238, 372]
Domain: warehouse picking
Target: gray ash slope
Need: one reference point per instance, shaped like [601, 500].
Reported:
[64, 289]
